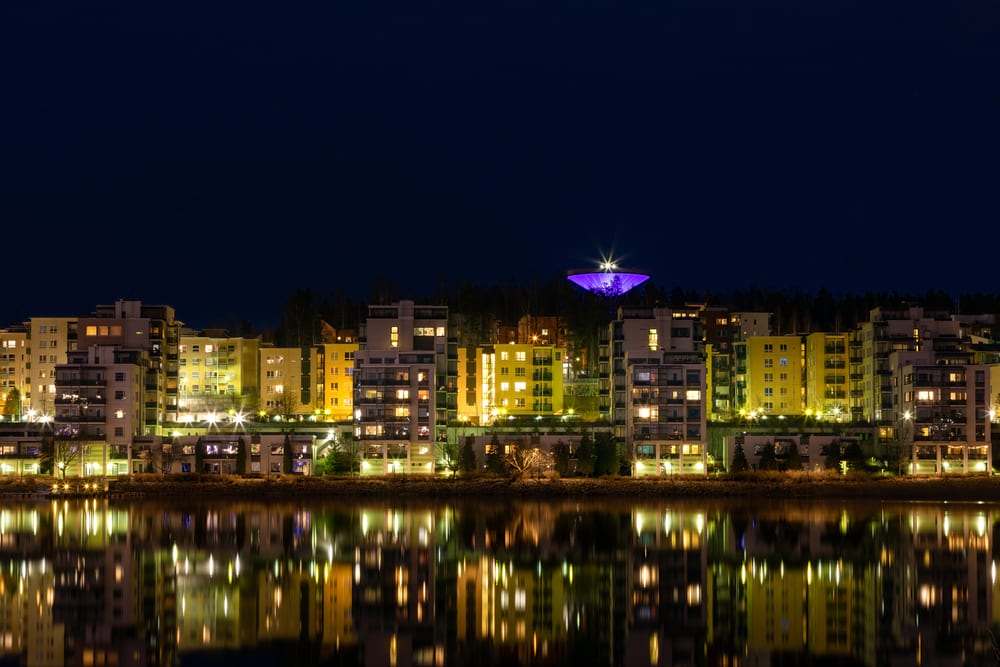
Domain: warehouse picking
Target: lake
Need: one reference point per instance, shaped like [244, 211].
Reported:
[498, 582]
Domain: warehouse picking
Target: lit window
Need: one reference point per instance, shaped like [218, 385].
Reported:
[654, 339]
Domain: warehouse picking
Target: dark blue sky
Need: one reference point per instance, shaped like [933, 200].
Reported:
[218, 156]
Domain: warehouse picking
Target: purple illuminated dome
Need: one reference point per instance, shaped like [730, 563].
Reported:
[610, 281]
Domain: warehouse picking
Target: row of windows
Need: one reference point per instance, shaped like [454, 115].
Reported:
[210, 348]
[208, 389]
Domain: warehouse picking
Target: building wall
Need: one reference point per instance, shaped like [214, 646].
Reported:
[527, 380]
[13, 370]
[774, 375]
[49, 339]
[282, 381]
[405, 387]
[335, 390]
[218, 374]
[826, 376]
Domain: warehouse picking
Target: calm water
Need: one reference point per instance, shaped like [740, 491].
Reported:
[540, 583]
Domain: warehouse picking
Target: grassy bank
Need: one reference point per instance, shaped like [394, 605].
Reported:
[749, 485]
[756, 485]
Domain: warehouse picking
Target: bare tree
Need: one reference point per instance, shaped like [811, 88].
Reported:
[522, 459]
[448, 457]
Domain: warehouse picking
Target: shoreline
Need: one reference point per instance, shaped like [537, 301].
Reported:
[768, 486]
[979, 488]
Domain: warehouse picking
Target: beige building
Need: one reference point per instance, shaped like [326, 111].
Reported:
[653, 382]
[13, 372]
[49, 339]
[405, 387]
[132, 325]
[285, 384]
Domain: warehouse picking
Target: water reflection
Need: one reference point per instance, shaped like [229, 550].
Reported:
[705, 583]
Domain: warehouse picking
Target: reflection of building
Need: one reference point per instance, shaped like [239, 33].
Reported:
[83, 583]
[667, 621]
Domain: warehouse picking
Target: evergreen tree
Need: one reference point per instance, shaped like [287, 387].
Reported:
[467, 456]
[793, 460]
[768, 460]
[286, 455]
[739, 463]
[560, 456]
[606, 459]
[586, 456]
[831, 460]
[12, 406]
[496, 463]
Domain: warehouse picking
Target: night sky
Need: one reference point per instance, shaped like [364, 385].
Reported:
[218, 156]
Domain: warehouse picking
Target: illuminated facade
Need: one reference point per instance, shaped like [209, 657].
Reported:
[944, 414]
[154, 329]
[826, 385]
[774, 376]
[285, 381]
[13, 372]
[49, 339]
[654, 388]
[518, 380]
[335, 385]
[98, 409]
[218, 374]
[405, 387]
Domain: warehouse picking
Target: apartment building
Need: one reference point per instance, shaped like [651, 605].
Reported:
[130, 324]
[653, 376]
[49, 339]
[942, 414]
[335, 380]
[518, 380]
[99, 409]
[14, 382]
[826, 382]
[286, 384]
[218, 374]
[774, 376]
[888, 330]
[405, 387]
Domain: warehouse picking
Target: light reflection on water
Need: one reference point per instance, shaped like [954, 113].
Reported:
[657, 583]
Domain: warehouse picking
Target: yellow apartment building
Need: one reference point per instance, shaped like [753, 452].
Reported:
[774, 368]
[826, 381]
[519, 380]
[335, 381]
[218, 373]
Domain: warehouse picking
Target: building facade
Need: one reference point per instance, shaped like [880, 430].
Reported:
[405, 387]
